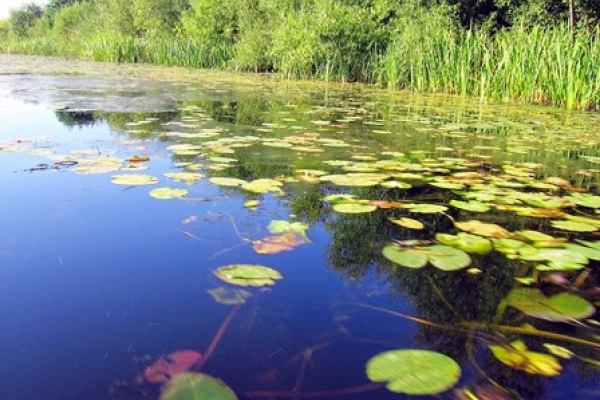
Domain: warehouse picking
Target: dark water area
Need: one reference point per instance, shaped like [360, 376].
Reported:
[99, 280]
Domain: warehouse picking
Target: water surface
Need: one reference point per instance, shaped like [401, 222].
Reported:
[99, 280]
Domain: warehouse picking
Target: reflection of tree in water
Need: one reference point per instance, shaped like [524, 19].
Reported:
[79, 118]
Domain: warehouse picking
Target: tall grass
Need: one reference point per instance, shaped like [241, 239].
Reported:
[553, 66]
[541, 65]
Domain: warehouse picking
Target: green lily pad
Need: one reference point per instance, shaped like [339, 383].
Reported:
[585, 200]
[228, 296]
[188, 177]
[466, 242]
[589, 252]
[573, 226]
[134, 180]
[425, 208]
[224, 181]
[482, 229]
[165, 193]
[354, 208]
[443, 257]
[517, 356]
[414, 372]
[555, 255]
[248, 275]
[473, 205]
[562, 307]
[263, 186]
[408, 223]
[194, 386]
[393, 184]
[278, 226]
[447, 185]
[509, 246]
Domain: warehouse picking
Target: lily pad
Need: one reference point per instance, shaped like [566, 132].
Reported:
[473, 205]
[558, 259]
[228, 296]
[193, 386]
[408, 223]
[482, 229]
[517, 356]
[466, 242]
[248, 275]
[188, 177]
[263, 186]
[573, 226]
[585, 200]
[171, 365]
[165, 193]
[426, 208]
[354, 208]
[229, 182]
[134, 180]
[562, 307]
[443, 257]
[277, 244]
[282, 226]
[414, 372]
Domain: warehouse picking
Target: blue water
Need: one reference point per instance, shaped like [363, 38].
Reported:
[99, 280]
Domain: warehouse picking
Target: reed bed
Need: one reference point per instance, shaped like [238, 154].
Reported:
[554, 66]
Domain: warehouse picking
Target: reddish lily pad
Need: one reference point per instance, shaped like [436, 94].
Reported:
[171, 365]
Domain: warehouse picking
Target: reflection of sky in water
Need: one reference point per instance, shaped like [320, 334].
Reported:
[94, 276]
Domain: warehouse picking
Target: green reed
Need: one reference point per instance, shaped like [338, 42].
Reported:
[554, 66]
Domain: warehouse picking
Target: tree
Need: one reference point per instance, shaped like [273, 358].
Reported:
[24, 18]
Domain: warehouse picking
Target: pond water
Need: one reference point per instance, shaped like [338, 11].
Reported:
[343, 190]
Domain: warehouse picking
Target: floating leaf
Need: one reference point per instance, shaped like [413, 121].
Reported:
[426, 208]
[263, 186]
[224, 181]
[473, 205]
[134, 180]
[509, 246]
[517, 356]
[588, 252]
[466, 242]
[278, 244]
[558, 259]
[165, 193]
[193, 386]
[573, 226]
[188, 177]
[395, 185]
[354, 208]
[251, 203]
[408, 223]
[414, 372]
[228, 296]
[585, 199]
[248, 275]
[482, 228]
[171, 365]
[443, 257]
[559, 351]
[562, 307]
[282, 226]
[447, 185]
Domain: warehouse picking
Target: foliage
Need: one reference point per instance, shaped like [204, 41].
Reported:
[23, 19]
[521, 50]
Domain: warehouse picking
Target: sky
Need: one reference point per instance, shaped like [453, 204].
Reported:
[7, 5]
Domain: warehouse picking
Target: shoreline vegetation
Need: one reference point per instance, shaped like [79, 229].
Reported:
[529, 51]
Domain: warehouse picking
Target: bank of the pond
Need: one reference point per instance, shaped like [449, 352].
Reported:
[551, 66]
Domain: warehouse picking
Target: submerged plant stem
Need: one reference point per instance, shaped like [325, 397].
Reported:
[532, 332]
[369, 387]
[218, 336]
